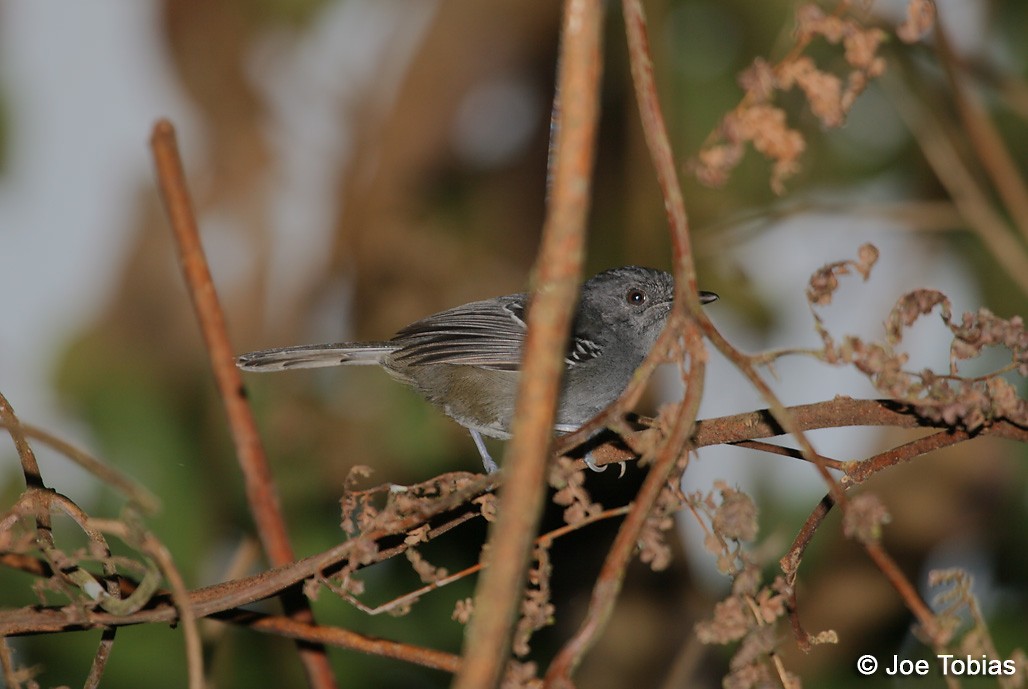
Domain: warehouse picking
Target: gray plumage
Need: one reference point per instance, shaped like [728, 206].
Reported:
[467, 360]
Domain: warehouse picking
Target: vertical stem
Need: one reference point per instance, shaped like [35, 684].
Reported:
[557, 277]
[260, 486]
[609, 582]
[655, 132]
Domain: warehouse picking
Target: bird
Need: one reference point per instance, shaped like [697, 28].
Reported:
[467, 360]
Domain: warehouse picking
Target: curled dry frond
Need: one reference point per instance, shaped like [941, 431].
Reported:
[825, 281]
[961, 617]
[958, 401]
[830, 95]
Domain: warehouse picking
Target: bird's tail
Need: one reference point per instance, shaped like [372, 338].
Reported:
[315, 356]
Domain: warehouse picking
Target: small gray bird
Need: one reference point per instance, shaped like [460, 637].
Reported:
[467, 360]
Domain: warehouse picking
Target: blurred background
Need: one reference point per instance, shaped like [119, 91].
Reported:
[358, 164]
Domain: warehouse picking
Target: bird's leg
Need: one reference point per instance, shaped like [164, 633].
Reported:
[487, 461]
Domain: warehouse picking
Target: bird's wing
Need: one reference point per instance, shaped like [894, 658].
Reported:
[487, 334]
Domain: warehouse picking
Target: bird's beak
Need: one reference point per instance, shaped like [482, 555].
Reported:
[707, 297]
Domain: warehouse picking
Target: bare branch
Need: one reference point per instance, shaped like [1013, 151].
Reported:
[260, 487]
[557, 276]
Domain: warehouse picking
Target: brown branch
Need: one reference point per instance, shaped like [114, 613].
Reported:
[835, 413]
[782, 416]
[260, 487]
[861, 471]
[66, 567]
[836, 491]
[226, 595]
[142, 496]
[223, 598]
[29, 465]
[557, 276]
[771, 448]
[33, 477]
[103, 654]
[50, 620]
[341, 638]
[609, 582]
[790, 564]
[857, 472]
[985, 138]
[211, 602]
[11, 675]
[907, 591]
[544, 540]
[655, 133]
[971, 200]
[221, 602]
[180, 598]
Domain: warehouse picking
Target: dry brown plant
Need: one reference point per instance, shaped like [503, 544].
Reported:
[86, 587]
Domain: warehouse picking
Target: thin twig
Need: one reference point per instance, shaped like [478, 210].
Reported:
[790, 564]
[655, 132]
[782, 416]
[544, 540]
[789, 452]
[108, 475]
[222, 598]
[911, 596]
[859, 472]
[180, 597]
[989, 146]
[11, 679]
[29, 465]
[33, 477]
[909, 593]
[260, 487]
[960, 183]
[103, 654]
[839, 412]
[608, 583]
[342, 638]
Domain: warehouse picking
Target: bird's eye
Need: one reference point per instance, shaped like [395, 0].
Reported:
[635, 297]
